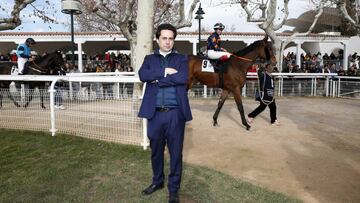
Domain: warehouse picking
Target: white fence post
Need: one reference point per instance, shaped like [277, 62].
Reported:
[339, 88]
[52, 106]
[145, 142]
[205, 91]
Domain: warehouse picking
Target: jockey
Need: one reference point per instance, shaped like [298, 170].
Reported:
[215, 51]
[23, 53]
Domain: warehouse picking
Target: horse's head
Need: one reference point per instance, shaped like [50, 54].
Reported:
[57, 60]
[259, 50]
[266, 51]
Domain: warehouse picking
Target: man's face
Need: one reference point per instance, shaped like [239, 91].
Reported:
[166, 40]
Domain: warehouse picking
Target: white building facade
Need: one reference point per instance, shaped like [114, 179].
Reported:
[92, 43]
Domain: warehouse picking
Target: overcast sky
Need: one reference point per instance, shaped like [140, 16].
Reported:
[233, 17]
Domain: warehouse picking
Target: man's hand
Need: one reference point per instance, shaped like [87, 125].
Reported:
[169, 71]
[31, 59]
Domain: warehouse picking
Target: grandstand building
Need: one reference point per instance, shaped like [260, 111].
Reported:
[92, 43]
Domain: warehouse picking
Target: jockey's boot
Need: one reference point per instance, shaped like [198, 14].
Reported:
[219, 65]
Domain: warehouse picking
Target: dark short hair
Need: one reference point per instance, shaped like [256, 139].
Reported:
[165, 26]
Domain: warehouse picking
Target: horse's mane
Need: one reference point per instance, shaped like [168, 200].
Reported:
[248, 49]
[41, 58]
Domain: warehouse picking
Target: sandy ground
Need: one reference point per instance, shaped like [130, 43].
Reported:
[314, 155]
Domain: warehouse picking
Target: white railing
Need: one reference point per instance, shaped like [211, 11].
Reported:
[292, 84]
[84, 106]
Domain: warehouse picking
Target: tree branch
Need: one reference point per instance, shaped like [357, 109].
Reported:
[182, 22]
[286, 11]
[342, 7]
[14, 20]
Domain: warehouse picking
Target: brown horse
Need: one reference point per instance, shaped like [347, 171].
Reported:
[46, 65]
[235, 77]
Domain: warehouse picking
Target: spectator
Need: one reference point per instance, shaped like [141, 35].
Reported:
[3, 57]
[341, 71]
[351, 71]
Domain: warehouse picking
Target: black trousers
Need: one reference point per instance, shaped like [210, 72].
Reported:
[262, 107]
[167, 128]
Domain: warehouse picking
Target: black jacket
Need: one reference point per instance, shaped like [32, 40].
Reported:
[266, 87]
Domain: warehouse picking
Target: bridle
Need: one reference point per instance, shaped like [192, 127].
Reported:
[242, 58]
[44, 71]
[250, 60]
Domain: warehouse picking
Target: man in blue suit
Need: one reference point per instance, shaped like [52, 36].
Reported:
[166, 106]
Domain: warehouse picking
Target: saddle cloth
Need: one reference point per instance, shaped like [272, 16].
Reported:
[206, 66]
[14, 70]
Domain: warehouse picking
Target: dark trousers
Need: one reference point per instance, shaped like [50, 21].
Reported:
[262, 107]
[167, 128]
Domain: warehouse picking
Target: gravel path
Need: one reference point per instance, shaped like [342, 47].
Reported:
[314, 155]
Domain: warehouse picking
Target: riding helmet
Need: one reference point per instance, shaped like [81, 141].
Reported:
[219, 26]
[30, 41]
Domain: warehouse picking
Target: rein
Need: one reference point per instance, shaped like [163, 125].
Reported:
[40, 70]
[242, 58]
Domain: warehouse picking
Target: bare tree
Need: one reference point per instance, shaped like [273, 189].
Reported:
[274, 20]
[121, 15]
[13, 21]
[350, 10]
[46, 13]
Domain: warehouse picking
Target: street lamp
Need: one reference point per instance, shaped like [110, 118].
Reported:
[72, 7]
[198, 16]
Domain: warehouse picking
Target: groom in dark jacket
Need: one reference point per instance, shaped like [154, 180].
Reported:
[166, 106]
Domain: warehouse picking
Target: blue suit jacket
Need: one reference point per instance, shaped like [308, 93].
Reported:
[151, 70]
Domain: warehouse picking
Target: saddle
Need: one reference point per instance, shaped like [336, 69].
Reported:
[220, 66]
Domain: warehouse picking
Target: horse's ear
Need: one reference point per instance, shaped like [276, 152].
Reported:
[266, 38]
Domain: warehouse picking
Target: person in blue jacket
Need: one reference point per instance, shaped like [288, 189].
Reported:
[166, 107]
[23, 53]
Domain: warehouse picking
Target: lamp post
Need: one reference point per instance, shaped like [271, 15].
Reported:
[198, 16]
[72, 7]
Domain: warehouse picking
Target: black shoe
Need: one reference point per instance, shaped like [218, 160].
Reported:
[152, 188]
[174, 198]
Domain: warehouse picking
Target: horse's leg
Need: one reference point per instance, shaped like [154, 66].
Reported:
[237, 96]
[223, 97]
[1, 98]
[12, 99]
[41, 91]
[28, 97]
